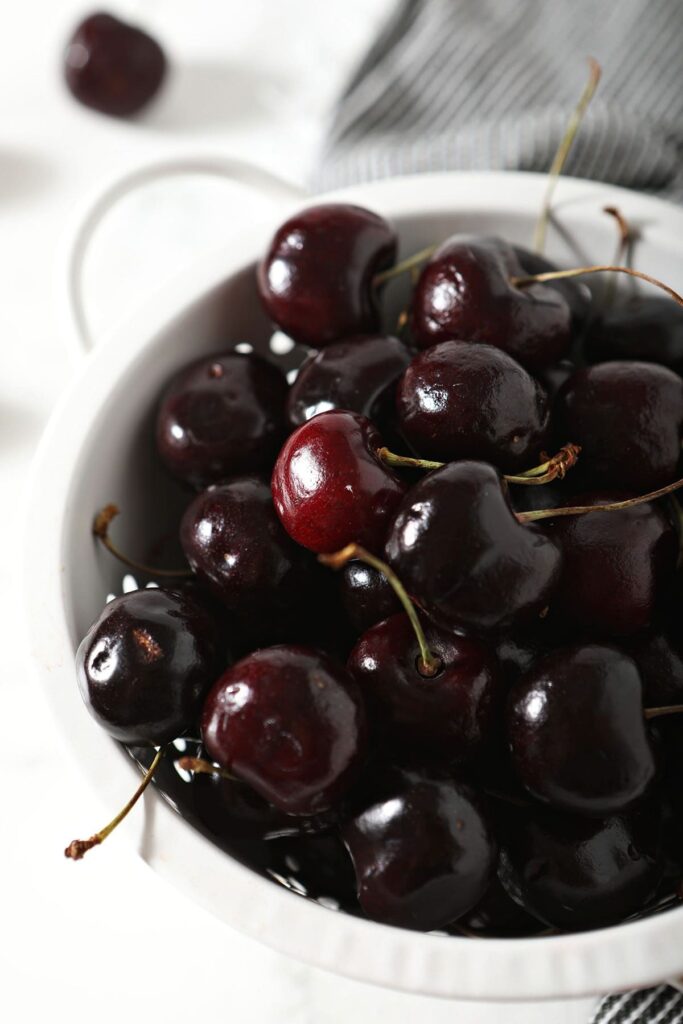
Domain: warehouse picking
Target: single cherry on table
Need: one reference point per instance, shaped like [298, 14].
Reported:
[113, 67]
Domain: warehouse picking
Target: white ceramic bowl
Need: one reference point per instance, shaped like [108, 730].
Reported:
[94, 452]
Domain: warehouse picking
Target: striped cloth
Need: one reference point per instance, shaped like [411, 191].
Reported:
[489, 84]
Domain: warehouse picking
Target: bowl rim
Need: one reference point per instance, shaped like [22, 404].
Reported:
[623, 956]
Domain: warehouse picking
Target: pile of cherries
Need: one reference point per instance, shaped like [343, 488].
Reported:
[480, 705]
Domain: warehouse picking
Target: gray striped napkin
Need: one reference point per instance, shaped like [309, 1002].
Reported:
[488, 84]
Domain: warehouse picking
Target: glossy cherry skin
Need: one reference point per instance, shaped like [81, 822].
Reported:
[423, 852]
[235, 543]
[577, 733]
[289, 722]
[659, 657]
[464, 401]
[575, 292]
[458, 549]
[464, 292]
[366, 595]
[316, 279]
[574, 873]
[330, 487]
[628, 419]
[113, 67]
[647, 328]
[145, 665]
[358, 374]
[618, 566]
[221, 416]
[450, 716]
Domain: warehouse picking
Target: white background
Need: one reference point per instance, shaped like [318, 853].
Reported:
[105, 940]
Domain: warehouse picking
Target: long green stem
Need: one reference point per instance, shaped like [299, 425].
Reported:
[77, 848]
[564, 150]
[559, 275]
[100, 529]
[429, 664]
[551, 469]
[581, 510]
[405, 265]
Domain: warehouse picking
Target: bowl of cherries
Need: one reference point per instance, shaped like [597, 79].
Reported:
[391, 615]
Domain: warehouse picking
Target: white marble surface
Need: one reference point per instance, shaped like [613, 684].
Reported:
[104, 939]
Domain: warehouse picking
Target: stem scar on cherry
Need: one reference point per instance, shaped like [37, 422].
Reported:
[428, 664]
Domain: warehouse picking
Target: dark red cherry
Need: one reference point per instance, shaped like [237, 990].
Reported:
[465, 292]
[221, 416]
[358, 374]
[289, 722]
[230, 810]
[145, 665]
[574, 873]
[647, 328]
[628, 419]
[235, 543]
[316, 280]
[576, 293]
[366, 595]
[423, 852]
[464, 401]
[577, 733]
[659, 657]
[498, 916]
[330, 487]
[553, 377]
[618, 567]
[450, 716]
[113, 67]
[458, 549]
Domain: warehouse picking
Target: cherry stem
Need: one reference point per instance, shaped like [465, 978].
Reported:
[428, 665]
[615, 506]
[100, 529]
[559, 275]
[563, 151]
[668, 709]
[201, 767]
[77, 848]
[407, 264]
[552, 468]
[621, 255]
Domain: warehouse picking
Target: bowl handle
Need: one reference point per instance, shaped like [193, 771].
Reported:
[97, 207]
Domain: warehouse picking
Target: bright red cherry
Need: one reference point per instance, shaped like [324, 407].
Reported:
[465, 292]
[316, 280]
[464, 401]
[330, 488]
[113, 67]
[289, 722]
